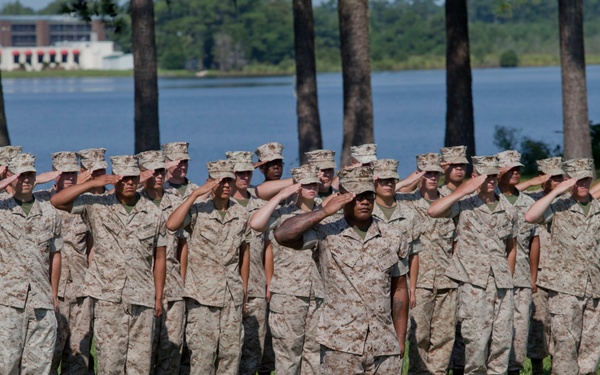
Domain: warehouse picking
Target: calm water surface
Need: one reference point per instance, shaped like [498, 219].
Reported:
[217, 115]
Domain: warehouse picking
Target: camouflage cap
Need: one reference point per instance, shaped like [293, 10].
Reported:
[551, 166]
[9, 152]
[385, 168]
[429, 162]
[323, 159]
[509, 159]
[220, 169]
[65, 161]
[579, 168]
[22, 163]
[357, 180]
[454, 155]
[268, 152]
[364, 153]
[151, 160]
[93, 158]
[306, 174]
[176, 151]
[125, 165]
[485, 165]
[242, 160]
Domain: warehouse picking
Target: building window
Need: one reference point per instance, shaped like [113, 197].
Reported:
[23, 40]
[22, 28]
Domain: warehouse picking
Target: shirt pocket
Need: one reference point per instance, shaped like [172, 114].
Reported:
[386, 261]
[504, 231]
[147, 237]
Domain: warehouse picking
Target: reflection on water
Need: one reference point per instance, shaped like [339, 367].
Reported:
[216, 115]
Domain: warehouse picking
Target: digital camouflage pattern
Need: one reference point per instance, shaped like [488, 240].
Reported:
[406, 220]
[269, 152]
[365, 153]
[454, 155]
[73, 336]
[335, 362]
[170, 189]
[27, 319]
[293, 321]
[176, 151]
[481, 242]
[357, 292]
[522, 299]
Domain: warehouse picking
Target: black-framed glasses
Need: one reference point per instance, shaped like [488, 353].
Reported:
[368, 195]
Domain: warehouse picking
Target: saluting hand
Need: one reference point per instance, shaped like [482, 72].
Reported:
[471, 185]
[337, 203]
[107, 179]
[145, 175]
[207, 187]
[84, 176]
[564, 186]
[4, 183]
[47, 177]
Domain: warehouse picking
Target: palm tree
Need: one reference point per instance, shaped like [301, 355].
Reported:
[356, 73]
[460, 127]
[577, 141]
[307, 105]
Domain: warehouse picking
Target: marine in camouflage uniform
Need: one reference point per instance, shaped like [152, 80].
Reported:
[170, 325]
[433, 319]
[177, 163]
[483, 263]
[216, 281]
[527, 242]
[74, 317]
[363, 321]
[30, 245]
[539, 344]
[325, 161]
[255, 317]
[294, 287]
[127, 272]
[6, 155]
[572, 273]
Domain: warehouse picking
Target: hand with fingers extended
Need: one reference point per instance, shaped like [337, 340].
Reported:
[172, 163]
[106, 179]
[288, 191]
[567, 184]
[145, 175]
[46, 177]
[471, 185]
[84, 176]
[207, 187]
[338, 202]
[3, 169]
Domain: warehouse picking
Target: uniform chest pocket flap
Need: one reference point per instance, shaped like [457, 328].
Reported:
[210, 234]
[146, 236]
[43, 239]
[504, 231]
[386, 261]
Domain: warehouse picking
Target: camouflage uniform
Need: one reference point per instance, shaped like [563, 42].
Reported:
[296, 297]
[120, 279]
[539, 343]
[74, 334]
[572, 276]
[485, 294]
[27, 320]
[356, 329]
[214, 303]
[405, 219]
[433, 320]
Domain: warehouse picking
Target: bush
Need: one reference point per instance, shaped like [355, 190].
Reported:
[509, 59]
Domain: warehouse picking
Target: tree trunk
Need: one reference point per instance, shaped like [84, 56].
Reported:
[577, 141]
[143, 43]
[307, 105]
[4, 138]
[460, 128]
[356, 73]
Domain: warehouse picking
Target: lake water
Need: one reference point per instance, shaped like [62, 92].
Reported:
[218, 115]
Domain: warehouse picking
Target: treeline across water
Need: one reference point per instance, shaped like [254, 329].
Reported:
[257, 35]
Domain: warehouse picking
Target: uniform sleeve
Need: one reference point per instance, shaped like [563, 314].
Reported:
[548, 214]
[191, 217]
[455, 209]
[56, 243]
[79, 204]
[401, 268]
[415, 243]
[161, 241]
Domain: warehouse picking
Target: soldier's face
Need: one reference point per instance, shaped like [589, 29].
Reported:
[582, 188]
[127, 186]
[223, 189]
[455, 173]
[242, 180]
[385, 187]
[430, 180]
[489, 184]
[309, 191]
[158, 178]
[553, 182]
[272, 170]
[180, 170]
[65, 180]
[98, 172]
[24, 183]
[326, 177]
[511, 177]
[361, 207]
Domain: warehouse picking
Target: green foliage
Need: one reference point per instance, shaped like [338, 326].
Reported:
[16, 9]
[507, 138]
[595, 134]
[509, 59]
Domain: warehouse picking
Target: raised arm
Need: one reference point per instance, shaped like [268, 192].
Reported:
[63, 200]
[410, 183]
[177, 217]
[260, 219]
[442, 206]
[269, 189]
[290, 232]
[535, 214]
[538, 180]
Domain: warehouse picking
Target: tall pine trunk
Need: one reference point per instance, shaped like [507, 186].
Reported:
[147, 136]
[460, 127]
[577, 139]
[4, 138]
[307, 105]
[356, 73]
